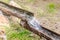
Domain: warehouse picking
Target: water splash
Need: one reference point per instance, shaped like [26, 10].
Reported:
[1, 13]
[35, 24]
[31, 21]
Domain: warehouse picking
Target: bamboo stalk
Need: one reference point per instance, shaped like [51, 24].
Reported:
[49, 35]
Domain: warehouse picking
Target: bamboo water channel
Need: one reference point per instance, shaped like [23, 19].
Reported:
[28, 21]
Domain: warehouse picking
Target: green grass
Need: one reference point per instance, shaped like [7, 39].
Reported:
[6, 1]
[16, 32]
[51, 7]
[21, 35]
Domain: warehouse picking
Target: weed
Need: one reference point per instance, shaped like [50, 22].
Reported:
[51, 7]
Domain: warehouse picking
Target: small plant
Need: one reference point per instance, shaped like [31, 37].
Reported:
[51, 7]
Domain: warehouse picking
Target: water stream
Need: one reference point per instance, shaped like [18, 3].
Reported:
[29, 17]
[35, 24]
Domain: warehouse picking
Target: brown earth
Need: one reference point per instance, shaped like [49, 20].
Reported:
[3, 22]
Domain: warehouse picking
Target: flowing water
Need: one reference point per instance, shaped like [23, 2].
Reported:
[35, 24]
[29, 17]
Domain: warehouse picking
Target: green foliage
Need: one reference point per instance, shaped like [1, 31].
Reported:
[51, 7]
[16, 32]
[6, 1]
[22, 35]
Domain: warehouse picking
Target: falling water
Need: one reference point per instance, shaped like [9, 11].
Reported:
[35, 24]
[31, 21]
[1, 12]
